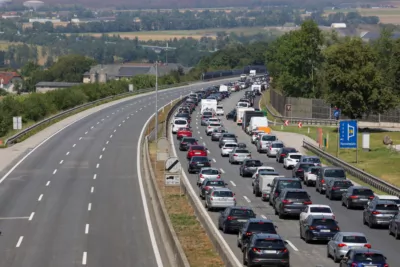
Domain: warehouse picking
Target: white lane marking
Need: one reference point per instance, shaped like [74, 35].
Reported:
[119, 125]
[144, 200]
[197, 127]
[103, 149]
[97, 166]
[92, 127]
[48, 183]
[94, 176]
[127, 118]
[40, 197]
[201, 137]
[107, 142]
[19, 241]
[214, 160]
[98, 122]
[113, 113]
[136, 111]
[247, 199]
[92, 189]
[89, 207]
[222, 170]
[74, 145]
[100, 156]
[123, 121]
[108, 116]
[86, 132]
[233, 183]
[80, 138]
[87, 228]
[54, 172]
[140, 109]
[67, 153]
[84, 258]
[31, 217]
[198, 132]
[115, 130]
[291, 245]
[110, 136]
[102, 119]
[204, 144]
[263, 216]
[61, 161]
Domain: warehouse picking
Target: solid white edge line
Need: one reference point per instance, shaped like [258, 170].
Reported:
[222, 170]
[200, 204]
[19, 241]
[144, 199]
[291, 245]
[84, 258]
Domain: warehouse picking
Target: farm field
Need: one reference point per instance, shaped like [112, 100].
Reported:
[386, 15]
[41, 59]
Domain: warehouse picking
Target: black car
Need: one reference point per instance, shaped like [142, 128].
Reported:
[299, 170]
[231, 115]
[253, 226]
[283, 152]
[183, 115]
[280, 183]
[186, 142]
[196, 163]
[357, 196]
[249, 167]
[291, 202]
[266, 250]
[233, 218]
[318, 227]
[335, 188]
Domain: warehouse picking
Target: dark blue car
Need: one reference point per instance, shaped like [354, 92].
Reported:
[363, 257]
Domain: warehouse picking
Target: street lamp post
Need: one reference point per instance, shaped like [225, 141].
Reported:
[156, 114]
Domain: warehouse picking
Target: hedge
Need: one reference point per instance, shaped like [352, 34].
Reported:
[37, 106]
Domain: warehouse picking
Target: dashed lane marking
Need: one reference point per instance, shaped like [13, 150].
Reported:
[247, 199]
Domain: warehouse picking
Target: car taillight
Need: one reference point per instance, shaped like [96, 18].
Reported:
[270, 148]
[371, 197]
[322, 181]
[353, 197]
[193, 163]
[201, 176]
[283, 250]
[341, 245]
[256, 250]
[367, 245]
[335, 188]
[299, 170]
[312, 227]
[235, 155]
[219, 176]
[337, 229]
[230, 218]
[249, 233]
[354, 264]
[307, 202]
[285, 201]
[376, 212]
[276, 194]
[386, 265]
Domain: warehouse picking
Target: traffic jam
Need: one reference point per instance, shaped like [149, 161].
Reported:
[254, 155]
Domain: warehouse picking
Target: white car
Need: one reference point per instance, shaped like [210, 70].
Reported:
[261, 170]
[291, 160]
[220, 111]
[310, 176]
[211, 126]
[228, 148]
[212, 120]
[316, 209]
[179, 123]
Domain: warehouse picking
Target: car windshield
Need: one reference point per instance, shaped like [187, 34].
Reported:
[354, 239]
[223, 194]
[297, 195]
[320, 210]
[200, 159]
[335, 173]
[242, 212]
[253, 163]
[289, 184]
[313, 160]
[262, 227]
[363, 192]
[369, 258]
[242, 151]
[210, 172]
[230, 145]
[270, 243]
[306, 167]
[180, 122]
[197, 148]
[216, 183]
[387, 207]
[327, 222]
[277, 145]
[269, 138]
[342, 184]
[265, 171]
[295, 156]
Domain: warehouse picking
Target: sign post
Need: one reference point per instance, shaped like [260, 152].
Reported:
[172, 172]
[17, 123]
[348, 131]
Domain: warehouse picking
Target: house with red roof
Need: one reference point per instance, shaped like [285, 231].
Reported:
[8, 79]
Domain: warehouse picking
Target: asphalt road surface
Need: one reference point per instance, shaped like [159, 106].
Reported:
[77, 199]
[302, 254]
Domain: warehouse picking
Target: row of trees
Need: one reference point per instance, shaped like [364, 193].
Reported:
[359, 77]
[350, 18]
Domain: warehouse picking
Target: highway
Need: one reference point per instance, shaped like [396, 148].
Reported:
[302, 254]
[78, 199]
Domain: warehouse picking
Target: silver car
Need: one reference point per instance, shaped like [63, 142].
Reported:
[208, 173]
[238, 155]
[227, 138]
[264, 141]
[342, 242]
[273, 148]
[220, 198]
[228, 148]
[211, 126]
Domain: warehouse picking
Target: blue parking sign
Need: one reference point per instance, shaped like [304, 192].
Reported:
[348, 134]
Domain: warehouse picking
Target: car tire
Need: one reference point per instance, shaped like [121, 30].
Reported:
[397, 234]
[330, 197]
[327, 253]
[371, 225]
[224, 229]
[307, 238]
[245, 263]
[335, 259]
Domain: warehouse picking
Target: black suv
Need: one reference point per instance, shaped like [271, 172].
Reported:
[280, 183]
[301, 167]
[335, 188]
[249, 167]
[357, 196]
[318, 227]
[186, 142]
[291, 202]
[253, 226]
[196, 163]
[233, 218]
[283, 152]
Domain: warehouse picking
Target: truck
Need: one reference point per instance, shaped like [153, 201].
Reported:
[208, 104]
[247, 115]
[223, 88]
[257, 123]
[239, 114]
[252, 73]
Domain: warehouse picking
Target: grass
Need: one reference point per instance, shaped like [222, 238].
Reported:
[379, 161]
[386, 15]
[193, 238]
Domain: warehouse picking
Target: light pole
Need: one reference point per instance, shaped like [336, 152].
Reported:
[158, 51]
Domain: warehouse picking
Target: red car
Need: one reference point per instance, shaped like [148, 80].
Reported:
[196, 150]
[183, 132]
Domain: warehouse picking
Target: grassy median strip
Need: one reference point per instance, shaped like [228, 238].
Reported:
[379, 161]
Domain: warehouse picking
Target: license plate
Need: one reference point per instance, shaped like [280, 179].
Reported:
[298, 203]
[343, 189]
[200, 164]
[325, 231]
[223, 198]
[269, 251]
[242, 220]
[197, 153]
[363, 199]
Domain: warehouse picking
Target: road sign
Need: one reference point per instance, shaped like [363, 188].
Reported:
[172, 179]
[286, 123]
[348, 134]
[288, 107]
[172, 165]
[163, 146]
[300, 124]
[17, 123]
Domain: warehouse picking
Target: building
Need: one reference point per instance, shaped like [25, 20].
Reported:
[103, 73]
[88, 20]
[43, 87]
[44, 20]
[338, 25]
[8, 80]
[371, 36]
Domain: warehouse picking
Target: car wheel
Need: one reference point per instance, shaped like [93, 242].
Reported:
[301, 234]
[335, 259]
[330, 197]
[328, 255]
[307, 238]
[348, 205]
[224, 229]
[241, 173]
[244, 259]
[316, 189]
[280, 215]
[237, 241]
[370, 224]
[189, 171]
[397, 234]
[275, 211]
[390, 230]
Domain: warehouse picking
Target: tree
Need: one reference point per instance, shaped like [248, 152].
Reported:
[354, 82]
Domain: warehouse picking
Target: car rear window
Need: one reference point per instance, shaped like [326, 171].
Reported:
[262, 227]
[354, 239]
[253, 163]
[277, 145]
[220, 107]
[213, 124]
[387, 207]
[369, 257]
[242, 151]
[197, 148]
[270, 243]
[289, 184]
[269, 138]
[363, 192]
[200, 159]
[230, 145]
[320, 210]
[229, 136]
[327, 222]
[210, 171]
[314, 170]
[313, 160]
[265, 171]
[306, 167]
[295, 156]
[297, 195]
[180, 122]
[216, 183]
[207, 114]
[289, 150]
[189, 140]
[334, 173]
[223, 194]
[242, 212]
[342, 184]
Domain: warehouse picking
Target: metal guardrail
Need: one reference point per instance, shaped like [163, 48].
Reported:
[353, 171]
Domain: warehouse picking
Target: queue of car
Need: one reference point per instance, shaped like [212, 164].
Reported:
[258, 238]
